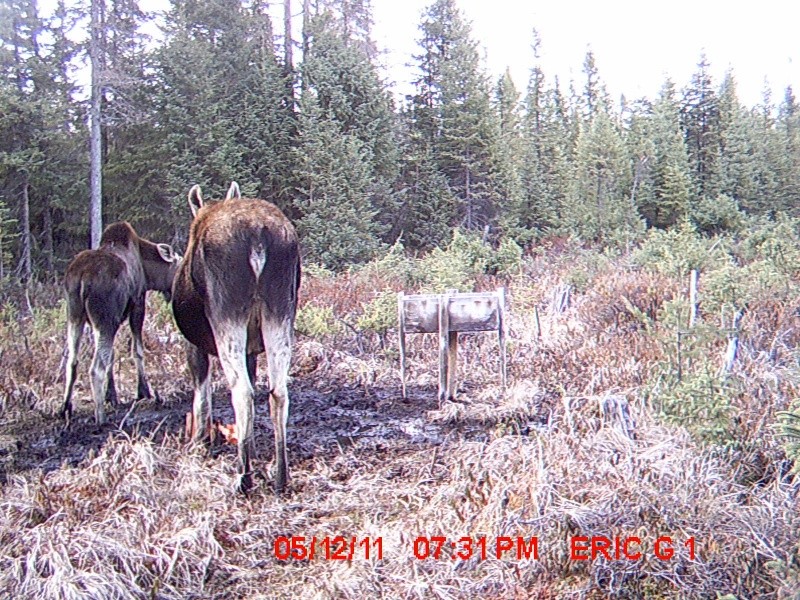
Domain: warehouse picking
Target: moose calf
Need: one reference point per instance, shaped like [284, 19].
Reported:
[105, 286]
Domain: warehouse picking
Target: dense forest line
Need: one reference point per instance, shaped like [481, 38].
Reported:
[310, 124]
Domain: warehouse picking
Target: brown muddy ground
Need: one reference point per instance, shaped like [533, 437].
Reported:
[323, 418]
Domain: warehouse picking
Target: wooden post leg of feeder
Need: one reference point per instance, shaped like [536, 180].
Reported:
[401, 321]
[452, 364]
[444, 345]
[501, 327]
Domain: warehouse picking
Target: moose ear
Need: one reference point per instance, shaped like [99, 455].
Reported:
[233, 191]
[195, 199]
[166, 252]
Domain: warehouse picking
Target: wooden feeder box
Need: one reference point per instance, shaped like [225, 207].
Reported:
[448, 315]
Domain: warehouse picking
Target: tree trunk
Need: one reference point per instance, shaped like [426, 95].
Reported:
[47, 242]
[306, 25]
[95, 145]
[25, 233]
[467, 191]
[288, 63]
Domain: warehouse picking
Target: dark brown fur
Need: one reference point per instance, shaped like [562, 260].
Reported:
[235, 295]
[106, 286]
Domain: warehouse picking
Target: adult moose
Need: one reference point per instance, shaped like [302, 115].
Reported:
[105, 286]
[235, 295]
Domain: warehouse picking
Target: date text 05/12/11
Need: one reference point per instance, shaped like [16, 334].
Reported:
[581, 548]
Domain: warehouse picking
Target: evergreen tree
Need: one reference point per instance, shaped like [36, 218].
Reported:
[670, 170]
[354, 19]
[348, 90]
[220, 109]
[768, 157]
[595, 97]
[544, 168]
[38, 129]
[509, 156]
[338, 224]
[700, 120]
[455, 114]
[428, 206]
[596, 206]
[788, 168]
[737, 169]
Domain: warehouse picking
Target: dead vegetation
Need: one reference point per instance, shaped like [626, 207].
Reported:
[579, 445]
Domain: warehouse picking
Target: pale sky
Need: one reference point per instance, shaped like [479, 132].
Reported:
[636, 44]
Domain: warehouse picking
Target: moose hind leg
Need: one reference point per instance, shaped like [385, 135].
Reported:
[277, 335]
[252, 368]
[74, 333]
[231, 347]
[201, 405]
[136, 321]
[111, 388]
[101, 364]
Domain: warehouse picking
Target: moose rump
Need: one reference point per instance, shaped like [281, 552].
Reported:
[234, 296]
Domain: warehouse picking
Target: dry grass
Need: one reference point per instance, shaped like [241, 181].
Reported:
[133, 513]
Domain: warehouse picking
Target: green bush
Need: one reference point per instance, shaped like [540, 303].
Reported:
[441, 270]
[725, 287]
[395, 264]
[507, 259]
[317, 271]
[701, 402]
[49, 319]
[316, 321]
[716, 215]
[678, 250]
[775, 242]
[471, 250]
[788, 429]
[686, 386]
[466, 257]
[380, 314]
[736, 287]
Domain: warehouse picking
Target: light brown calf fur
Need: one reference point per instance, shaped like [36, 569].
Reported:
[235, 295]
[105, 286]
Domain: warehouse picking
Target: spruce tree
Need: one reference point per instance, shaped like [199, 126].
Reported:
[700, 120]
[508, 157]
[455, 113]
[338, 225]
[41, 167]
[338, 72]
[597, 207]
[220, 109]
[544, 156]
[427, 205]
[670, 170]
[788, 169]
